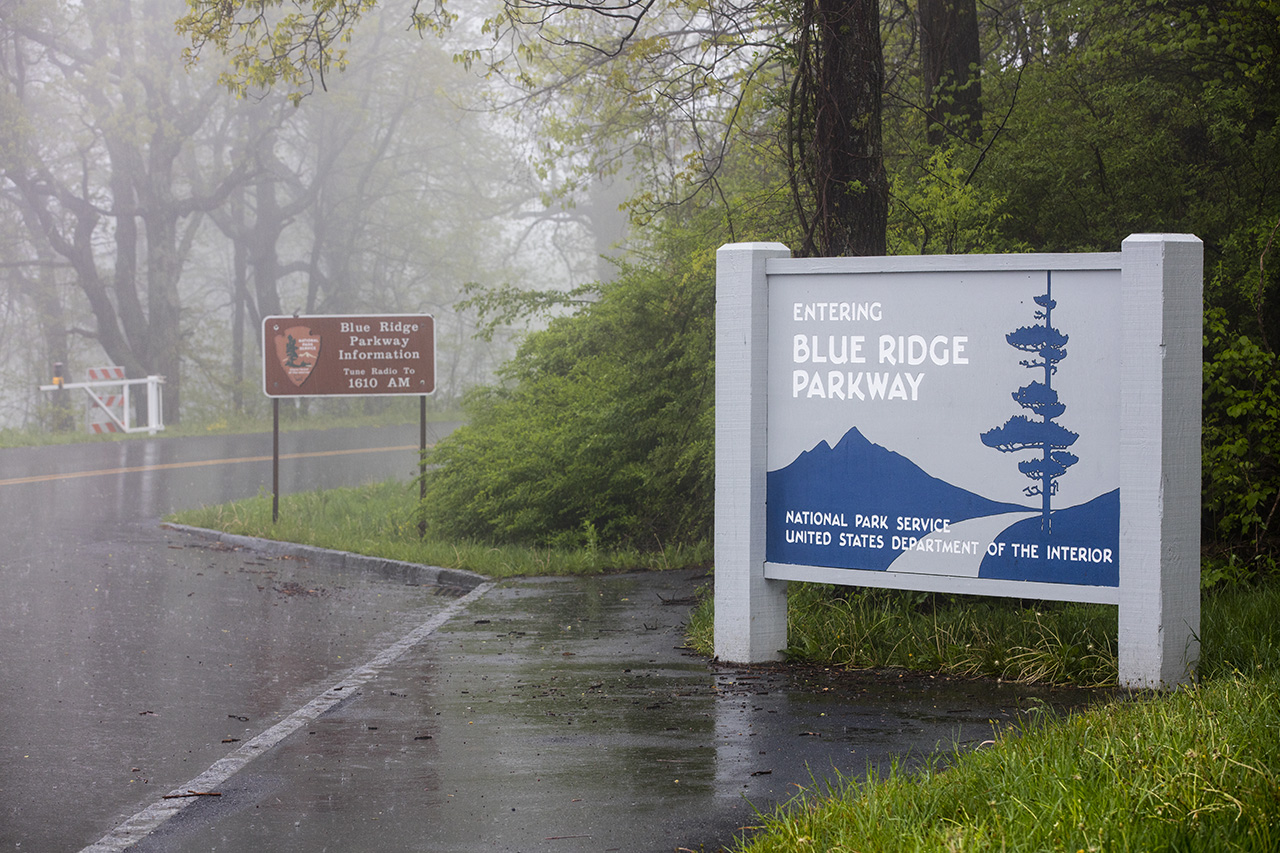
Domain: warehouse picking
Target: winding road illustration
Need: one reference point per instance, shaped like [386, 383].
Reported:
[922, 559]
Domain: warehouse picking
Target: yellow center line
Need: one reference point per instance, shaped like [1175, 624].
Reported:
[172, 465]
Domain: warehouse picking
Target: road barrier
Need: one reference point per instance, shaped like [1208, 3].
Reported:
[110, 412]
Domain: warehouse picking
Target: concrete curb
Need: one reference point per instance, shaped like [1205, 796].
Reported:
[410, 573]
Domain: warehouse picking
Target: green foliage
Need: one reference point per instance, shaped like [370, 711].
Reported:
[1241, 455]
[270, 42]
[603, 428]
[498, 307]
[1043, 642]
[1148, 116]
[1145, 116]
[1031, 642]
[941, 211]
[1241, 439]
[1094, 160]
[1239, 632]
[1102, 119]
[1194, 771]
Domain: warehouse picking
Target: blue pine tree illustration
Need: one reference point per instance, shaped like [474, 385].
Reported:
[1045, 436]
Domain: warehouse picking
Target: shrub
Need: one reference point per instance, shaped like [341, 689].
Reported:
[602, 430]
[1241, 454]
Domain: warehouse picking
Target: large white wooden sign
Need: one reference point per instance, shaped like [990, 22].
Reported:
[1018, 425]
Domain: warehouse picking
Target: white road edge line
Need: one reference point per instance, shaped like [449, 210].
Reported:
[142, 824]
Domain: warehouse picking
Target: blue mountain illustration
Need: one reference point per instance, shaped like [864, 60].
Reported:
[830, 486]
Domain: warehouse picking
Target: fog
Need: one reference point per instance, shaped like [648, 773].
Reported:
[149, 219]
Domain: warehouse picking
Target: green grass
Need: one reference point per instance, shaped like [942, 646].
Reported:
[1045, 642]
[1192, 771]
[1041, 642]
[381, 520]
[1196, 769]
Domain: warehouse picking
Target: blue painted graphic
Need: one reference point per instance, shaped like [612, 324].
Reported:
[853, 502]
[859, 506]
[1083, 547]
[1045, 436]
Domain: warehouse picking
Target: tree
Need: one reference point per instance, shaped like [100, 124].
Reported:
[254, 220]
[114, 199]
[413, 197]
[291, 353]
[695, 62]
[1048, 438]
[602, 432]
[950, 61]
[603, 428]
[834, 121]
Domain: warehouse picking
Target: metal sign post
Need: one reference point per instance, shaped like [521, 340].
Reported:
[422, 462]
[275, 459]
[342, 356]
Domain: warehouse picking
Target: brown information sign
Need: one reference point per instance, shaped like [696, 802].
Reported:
[336, 355]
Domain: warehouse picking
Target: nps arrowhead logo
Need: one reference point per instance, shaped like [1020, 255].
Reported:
[297, 348]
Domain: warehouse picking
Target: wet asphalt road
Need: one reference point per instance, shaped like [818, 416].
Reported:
[130, 653]
[542, 715]
[564, 715]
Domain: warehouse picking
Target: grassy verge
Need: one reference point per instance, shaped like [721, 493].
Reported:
[1047, 642]
[1193, 771]
[381, 519]
[1198, 769]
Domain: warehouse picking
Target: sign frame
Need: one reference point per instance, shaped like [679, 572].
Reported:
[388, 355]
[1160, 282]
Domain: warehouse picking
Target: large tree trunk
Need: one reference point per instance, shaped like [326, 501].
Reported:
[840, 79]
[239, 300]
[164, 345]
[950, 57]
[41, 287]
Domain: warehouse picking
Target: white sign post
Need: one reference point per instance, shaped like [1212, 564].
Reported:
[1015, 425]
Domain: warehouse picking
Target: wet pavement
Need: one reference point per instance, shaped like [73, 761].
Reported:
[141, 690]
[566, 715]
[128, 653]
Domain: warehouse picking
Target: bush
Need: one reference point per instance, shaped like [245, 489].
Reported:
[1241, 454]
[602, 431]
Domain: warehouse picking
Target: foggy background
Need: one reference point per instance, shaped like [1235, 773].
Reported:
[149, 219]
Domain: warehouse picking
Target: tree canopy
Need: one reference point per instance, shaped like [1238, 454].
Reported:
[1079, 123]
[660, 89]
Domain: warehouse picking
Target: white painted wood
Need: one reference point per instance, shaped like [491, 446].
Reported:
[751, 611]
[1161, 360]
[945, 263]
